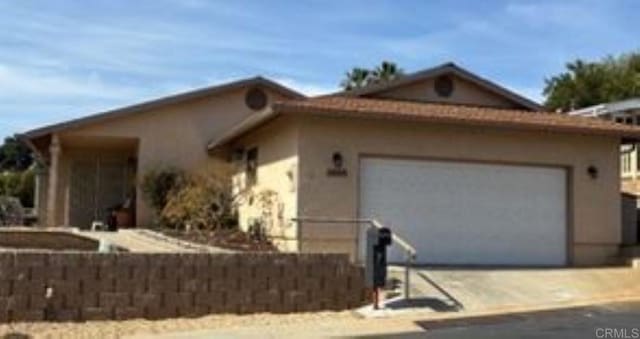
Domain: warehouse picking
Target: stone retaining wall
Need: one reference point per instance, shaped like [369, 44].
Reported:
[97, 286]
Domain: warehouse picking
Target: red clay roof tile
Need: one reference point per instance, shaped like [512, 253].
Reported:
[456, 114]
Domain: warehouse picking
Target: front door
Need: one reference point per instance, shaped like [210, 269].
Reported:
[96, 185]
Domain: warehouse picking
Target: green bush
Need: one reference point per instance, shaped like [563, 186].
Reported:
[20, 185]
[26, 193]
[158, 184]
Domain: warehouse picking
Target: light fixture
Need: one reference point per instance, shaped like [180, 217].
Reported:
[338, 161]
[592, 171]
[337, 170]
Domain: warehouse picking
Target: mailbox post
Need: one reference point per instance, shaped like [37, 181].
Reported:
[378, 239]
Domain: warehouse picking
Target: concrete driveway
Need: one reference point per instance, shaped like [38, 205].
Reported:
[620, 320]
[458, 290]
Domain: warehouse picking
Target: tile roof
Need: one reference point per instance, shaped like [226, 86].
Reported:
[456, 114]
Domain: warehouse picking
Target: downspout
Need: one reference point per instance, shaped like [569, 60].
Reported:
[632, 149]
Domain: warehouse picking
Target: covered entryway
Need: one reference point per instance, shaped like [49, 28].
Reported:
[469, 213]
[101, 174]
[98, 183]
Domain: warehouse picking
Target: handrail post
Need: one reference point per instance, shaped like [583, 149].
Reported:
[409, 250]
[406, 276]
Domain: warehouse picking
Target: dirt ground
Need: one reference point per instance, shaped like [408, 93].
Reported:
[118, 329]
[229, 239]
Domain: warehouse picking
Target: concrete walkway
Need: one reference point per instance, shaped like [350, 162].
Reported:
[143, 240]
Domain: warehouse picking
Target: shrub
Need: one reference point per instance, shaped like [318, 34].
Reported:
[205, 201]
[11, 211]
[158, 184]
[26, 192]
[270, 218]
[19, 184]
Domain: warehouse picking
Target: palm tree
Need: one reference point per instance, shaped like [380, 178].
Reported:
[360, 77]
[356, 78]
[387, 71]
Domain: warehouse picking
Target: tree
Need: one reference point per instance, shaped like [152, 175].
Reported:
[360, 77]
[356, 78]
[386, 71]
[590, 83]
[14, 155]
[19, 185]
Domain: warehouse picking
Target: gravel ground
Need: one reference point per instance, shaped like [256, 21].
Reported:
[118, 329]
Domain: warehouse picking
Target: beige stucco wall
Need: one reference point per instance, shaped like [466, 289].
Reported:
[175, 135]
[277, 144]
[594, 204]
[464, 92]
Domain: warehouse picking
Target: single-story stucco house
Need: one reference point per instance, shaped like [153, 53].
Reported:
[466, 170]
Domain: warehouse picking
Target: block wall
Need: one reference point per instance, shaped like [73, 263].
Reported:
[78, 286]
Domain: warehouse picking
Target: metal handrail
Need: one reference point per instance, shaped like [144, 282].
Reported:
[410, 251]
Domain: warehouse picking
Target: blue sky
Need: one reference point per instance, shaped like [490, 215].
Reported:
[64, 59]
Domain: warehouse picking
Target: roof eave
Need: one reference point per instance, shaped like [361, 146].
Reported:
[27, 141]
[244, 127]
[160, 102]
[625, 137]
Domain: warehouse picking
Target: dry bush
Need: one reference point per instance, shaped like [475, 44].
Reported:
[205, 200]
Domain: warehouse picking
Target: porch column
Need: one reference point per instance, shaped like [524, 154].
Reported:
[52, 192]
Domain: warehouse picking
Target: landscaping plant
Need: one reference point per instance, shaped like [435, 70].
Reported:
[157, 185]
[19, 185]
[11, 211]
[204, 201]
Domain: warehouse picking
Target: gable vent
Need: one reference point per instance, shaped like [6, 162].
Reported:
[256, 99]
[443, 86]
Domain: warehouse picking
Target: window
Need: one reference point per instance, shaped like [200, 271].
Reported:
[252, 166]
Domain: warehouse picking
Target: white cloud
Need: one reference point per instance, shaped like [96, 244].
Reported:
[561, 14]
[16, 84]
[35, 97]
[307, 88]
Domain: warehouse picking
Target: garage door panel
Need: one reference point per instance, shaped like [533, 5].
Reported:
[469, 213]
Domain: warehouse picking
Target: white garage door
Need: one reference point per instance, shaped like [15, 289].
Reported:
[469, 213]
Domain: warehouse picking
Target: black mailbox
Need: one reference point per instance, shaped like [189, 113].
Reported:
[378, 239]
[384, 237]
